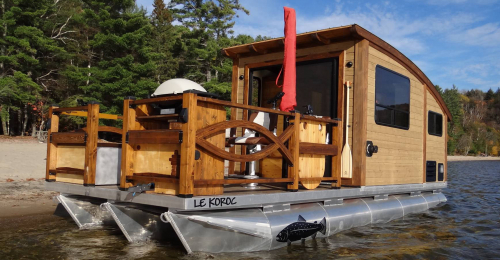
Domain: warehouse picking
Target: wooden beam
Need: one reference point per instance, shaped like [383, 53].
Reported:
[241, 181]
[68, 138]
[234, 99]
[445, 164]
[424, 163]
[67, 109]
[84, 114]
[294, 145]
[69, 170]
[155, 100]
[320, 38]
[156, 179]
[320, 149]
[188, 147]
[246, 107]
[252, 48]
[360, 99]
[163, 136]
[91, 144]
[127, 165]
[229, 54]
[51, 147]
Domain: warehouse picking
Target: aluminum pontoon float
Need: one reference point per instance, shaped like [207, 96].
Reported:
[242, 221]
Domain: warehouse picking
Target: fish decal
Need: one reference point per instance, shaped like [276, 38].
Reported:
[300, 230]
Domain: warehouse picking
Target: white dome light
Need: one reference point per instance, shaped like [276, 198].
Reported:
[177, 86]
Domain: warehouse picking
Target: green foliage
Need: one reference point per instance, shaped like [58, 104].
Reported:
[473, 129]
[105, 50]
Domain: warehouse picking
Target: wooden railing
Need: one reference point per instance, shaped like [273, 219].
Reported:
[86, 137]
[195, 140]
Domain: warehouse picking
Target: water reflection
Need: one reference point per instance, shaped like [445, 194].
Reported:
[467, 227]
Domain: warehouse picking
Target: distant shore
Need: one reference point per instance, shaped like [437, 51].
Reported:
[454, 158]
[22, 177]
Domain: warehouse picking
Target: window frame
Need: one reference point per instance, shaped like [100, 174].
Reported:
[428, 117]
[391, 108]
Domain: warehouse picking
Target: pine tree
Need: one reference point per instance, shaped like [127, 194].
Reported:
[164, 37]
[452, 100]
[29, 56]
[119, 58]
[206, 27]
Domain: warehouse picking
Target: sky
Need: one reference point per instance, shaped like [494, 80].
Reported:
[454, 42]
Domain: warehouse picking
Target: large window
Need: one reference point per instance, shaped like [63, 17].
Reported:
[392, 98]
[316, 86]
[435, 124]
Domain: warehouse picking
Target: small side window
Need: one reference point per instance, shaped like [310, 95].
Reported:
[392, 98]
[435, 124]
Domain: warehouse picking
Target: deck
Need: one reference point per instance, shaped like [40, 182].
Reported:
[236, 196]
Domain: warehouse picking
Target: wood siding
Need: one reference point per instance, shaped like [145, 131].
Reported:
[435, 144]
[400, 154]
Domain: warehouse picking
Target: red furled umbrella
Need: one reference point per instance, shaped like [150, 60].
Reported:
[288, 102]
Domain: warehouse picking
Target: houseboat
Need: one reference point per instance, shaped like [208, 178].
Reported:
[365, 144]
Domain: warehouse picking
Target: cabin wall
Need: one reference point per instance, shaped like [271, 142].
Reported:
[435, 150]
[400, 152]
[347, 46]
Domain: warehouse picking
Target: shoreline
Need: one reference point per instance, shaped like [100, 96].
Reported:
[22, 178]
[459, 158]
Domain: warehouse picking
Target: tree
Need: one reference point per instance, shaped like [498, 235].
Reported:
[28, 55]
[452, 99]
[120, 60]
[164, 36]
[206, 26]
[489, 95]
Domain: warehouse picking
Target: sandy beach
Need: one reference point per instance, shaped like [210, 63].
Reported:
[22, 177]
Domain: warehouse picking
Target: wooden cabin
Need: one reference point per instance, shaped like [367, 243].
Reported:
[396, 128]
[392, 102]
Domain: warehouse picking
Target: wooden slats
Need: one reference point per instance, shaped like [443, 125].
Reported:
[65, 109]
[241, 181]
[158, 117]
[166, 136]
[315, 148]
[237, 105]
[68, 138]
[69, 170]
[85, 114]
[156, 100]
[156, 179]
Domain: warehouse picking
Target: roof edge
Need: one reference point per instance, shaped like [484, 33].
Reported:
[357, 32]
[389, 50]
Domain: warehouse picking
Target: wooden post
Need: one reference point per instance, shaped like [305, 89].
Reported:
[91, 144]
[360, 110]
[188, 147]
[294, 147]
[234, 99]
[445, 164]
[424, 163]
[127, 166]
[52, 148]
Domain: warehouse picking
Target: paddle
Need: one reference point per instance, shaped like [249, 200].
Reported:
[346, 166]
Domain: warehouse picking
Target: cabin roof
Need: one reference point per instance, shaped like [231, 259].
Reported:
[331, 35]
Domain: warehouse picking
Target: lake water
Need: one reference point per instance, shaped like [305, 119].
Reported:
[466, 227]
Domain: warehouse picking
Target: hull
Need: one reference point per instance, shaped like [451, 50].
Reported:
[244, 222]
